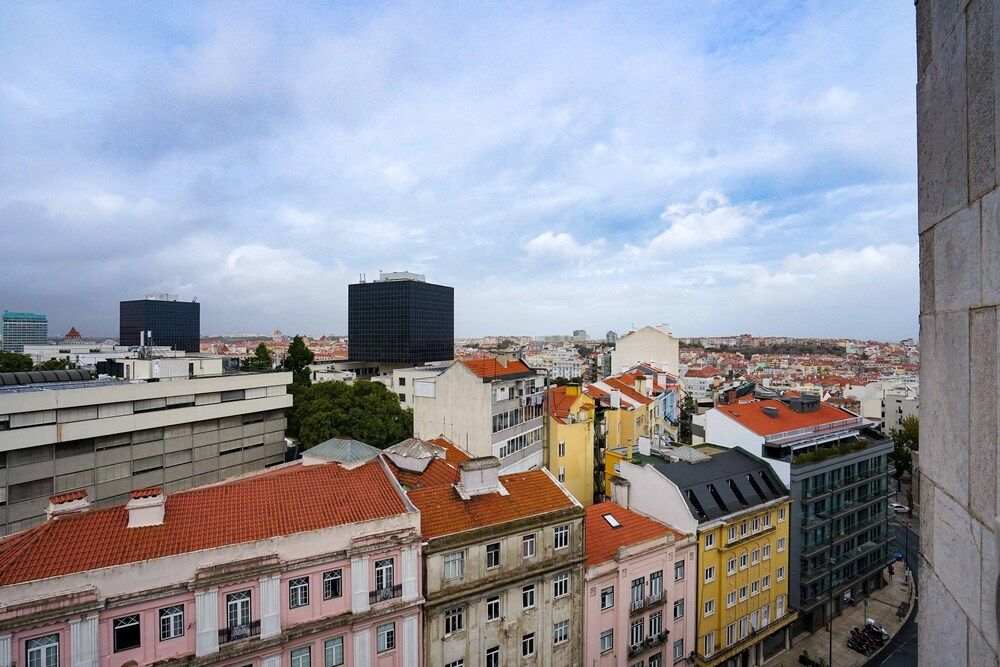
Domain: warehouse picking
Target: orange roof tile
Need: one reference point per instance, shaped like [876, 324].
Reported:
[603, 541]
[443, 512]
[628, 390]
[560, 402]
[452, 453]
[272, 504]
[491, 368]
[437, 473]
[703, 372]
[751, 415]
[68, 496]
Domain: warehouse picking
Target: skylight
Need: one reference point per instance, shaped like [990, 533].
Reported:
[612, 521]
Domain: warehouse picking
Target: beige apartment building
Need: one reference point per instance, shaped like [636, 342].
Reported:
[176, 423]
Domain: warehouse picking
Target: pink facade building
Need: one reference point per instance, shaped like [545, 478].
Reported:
[639, 597]
[301, 565]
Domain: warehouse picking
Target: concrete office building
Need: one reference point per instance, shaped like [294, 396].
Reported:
[400, 320]
[176, 423]
[174, 324]
[88, 355]
[20, 329]
[836, 466]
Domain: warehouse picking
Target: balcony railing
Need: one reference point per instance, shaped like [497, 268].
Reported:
[242, 631]
[384, 594]
[847, 480]
[637, 606]
[655, 598]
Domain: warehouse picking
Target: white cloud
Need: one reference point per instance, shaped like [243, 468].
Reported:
[562, 245]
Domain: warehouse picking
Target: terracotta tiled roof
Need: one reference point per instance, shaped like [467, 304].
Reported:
[751, 415]
[437, 473]
[491, 368]
[452, 454]
[560, 402]
[151, 492]
[628, 390]
[69, 496]
[274, 503]
[443, 512]
[703, 372]
[603, 540]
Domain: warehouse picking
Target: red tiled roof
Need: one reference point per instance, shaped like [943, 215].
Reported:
[561, 402]
[751, 415]
[628, 390]
[151, 492]
[437, 473]
[490, 368]
[603, 541]
[72, 333]
[443, 512]
[452, 454]
[703, 372]
[69, 496]
[272, 504]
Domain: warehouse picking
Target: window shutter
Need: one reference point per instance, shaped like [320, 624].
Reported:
[359, 584]
[409, 573]
[270, 606]
[83, 642]
[206, 614]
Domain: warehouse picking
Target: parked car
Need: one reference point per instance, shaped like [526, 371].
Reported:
[896, 554]
[899, 508]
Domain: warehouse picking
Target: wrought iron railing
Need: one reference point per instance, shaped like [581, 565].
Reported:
[242, 631]
[384, 594]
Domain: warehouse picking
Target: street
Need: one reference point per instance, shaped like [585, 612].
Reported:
[902, 648]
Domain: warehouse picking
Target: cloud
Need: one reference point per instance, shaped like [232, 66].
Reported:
[562, 245]
[708, 220]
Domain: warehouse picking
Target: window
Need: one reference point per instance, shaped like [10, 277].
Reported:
[607, 640]
[743, 561]
[678, 570]
[731, 536]
[562, 448]
[43, 651]
[493, 657]
[730, 599]
[333, 650]
[171, 622]
[780, 573]
[767, 551]
[678, 649]
[655, 623]
[731, 565]
[765, 615]
[456, 663]
[560, 585]
[638, 590]
[383, 574]
[779, 606]
[744, 529]
[238, 609]
[766, 582]
[678, 609]
[709, 573]
[709, 607]
[781, 544]
[402, 398]
[709, 643]
[298, 592]
[755, 556]
[730, 634]
[301, 657]
[607, 598]
[386, 637]
[755, 525]
[744, 627]
[560, 537]
[492, 555]
[709, 541]
[635, 633]
[781, 514]
[656, 583]
[333, 584]
[562, 474]
[767, 520]
[453, 620]
[528, 596]
[528, 546]
[454, 565]
[743, 593]
[754, 587]
[126, 632]
[528, 645]
[560, 632]
[656, 660]
[493, 608]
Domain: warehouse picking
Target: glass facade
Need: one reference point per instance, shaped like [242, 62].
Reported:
[173, 323]
[400, 321]
[20, 329]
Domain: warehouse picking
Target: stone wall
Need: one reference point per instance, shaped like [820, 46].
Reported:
[958, 44]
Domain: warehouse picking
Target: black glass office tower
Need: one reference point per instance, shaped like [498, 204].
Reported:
[174, 323]
[400, 319]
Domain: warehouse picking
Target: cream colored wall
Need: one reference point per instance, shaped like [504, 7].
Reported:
[461, 410]
[647, 345]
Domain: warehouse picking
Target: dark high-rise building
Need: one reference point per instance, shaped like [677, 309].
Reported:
[400, 319]
[173, 323]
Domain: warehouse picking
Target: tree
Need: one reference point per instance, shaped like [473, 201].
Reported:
[905, 440]
[262, 360]
[364, 410]
[560, 381]
[12, 362]
[506, 344]
[688, 409]
[297, 359]
[54, 365]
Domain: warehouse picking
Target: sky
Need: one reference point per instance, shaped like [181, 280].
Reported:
[721, 167]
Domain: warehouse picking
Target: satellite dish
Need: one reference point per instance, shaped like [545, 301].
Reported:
[194, 300]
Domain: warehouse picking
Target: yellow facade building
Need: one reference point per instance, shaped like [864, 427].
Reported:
[570, 441]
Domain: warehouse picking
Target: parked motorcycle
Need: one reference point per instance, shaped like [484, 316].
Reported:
[875, 627]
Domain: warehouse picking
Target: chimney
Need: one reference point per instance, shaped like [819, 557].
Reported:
[504, 358]
[640, 384]
[770, 411]
[615, 399]
[479, 476]
[146, 508]
[72, 502]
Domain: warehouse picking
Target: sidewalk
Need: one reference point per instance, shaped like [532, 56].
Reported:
[882, 606]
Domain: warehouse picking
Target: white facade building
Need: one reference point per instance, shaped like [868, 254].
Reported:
[649, 345]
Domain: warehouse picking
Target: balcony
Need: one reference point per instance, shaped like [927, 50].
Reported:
[234, 632]
[655, 598]
[637, 606]
[648, 643]
[819, 492]
[385, 594]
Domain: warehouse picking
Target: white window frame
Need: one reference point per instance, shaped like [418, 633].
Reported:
[731, 566]
[527, 546]
[560, 537]
[678, 650]
[709, 607]
[781, 514]
[333, 584]
[678, 609]
[560, 585]
[454, 565]
[744, 561]
[528, 645]
[730, 599]
[385, 637]
[754, 588]
[607, 641]
[780, 574]
[709, 541]
[636, 632]
[44, 649]
[744, 594]
[766, 552]
[780, 544]
[679, 565]
[767, 520]
[528, 596]
[731, 534]
[335, 644]
[560, 632]
[493, 608]
[454, 620]
[239, 611]
[765, 583]
[709, 573]
[298, 592]
[385, 574]
[610, 591]
[173, 617]
[297, 654]
[709, 643]
[498, 551]
[755, 556]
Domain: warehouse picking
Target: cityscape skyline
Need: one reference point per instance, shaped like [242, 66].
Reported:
[723, 169]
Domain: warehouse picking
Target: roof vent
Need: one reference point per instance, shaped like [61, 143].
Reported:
[67, 503]
[479, 476]
[146, 508]
[770, 411]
